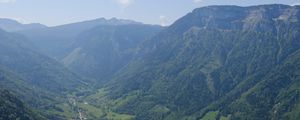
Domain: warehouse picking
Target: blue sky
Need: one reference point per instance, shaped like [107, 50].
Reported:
[165, 12]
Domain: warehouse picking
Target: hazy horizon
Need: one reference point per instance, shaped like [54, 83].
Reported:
[55, 13]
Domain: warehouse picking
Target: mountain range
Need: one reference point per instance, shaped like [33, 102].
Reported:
[13, 25]
[55, 41]
[215, 63]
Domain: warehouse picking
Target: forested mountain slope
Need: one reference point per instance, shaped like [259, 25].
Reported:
[38, 80]
[100, 52]
[212, 59]
[55, 41]
[37, 69]
[11, 108]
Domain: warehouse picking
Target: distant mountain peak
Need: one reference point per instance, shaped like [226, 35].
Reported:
[102, 21]
[111, 21]
[123, 21]
[11, 25]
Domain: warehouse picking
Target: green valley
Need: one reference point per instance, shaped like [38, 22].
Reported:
[219, 62]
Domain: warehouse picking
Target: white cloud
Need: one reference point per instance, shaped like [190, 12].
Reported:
[125, 3]
[21, 20]
[296, 4]
[198, 1]
[163, 20]
[7, 1]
